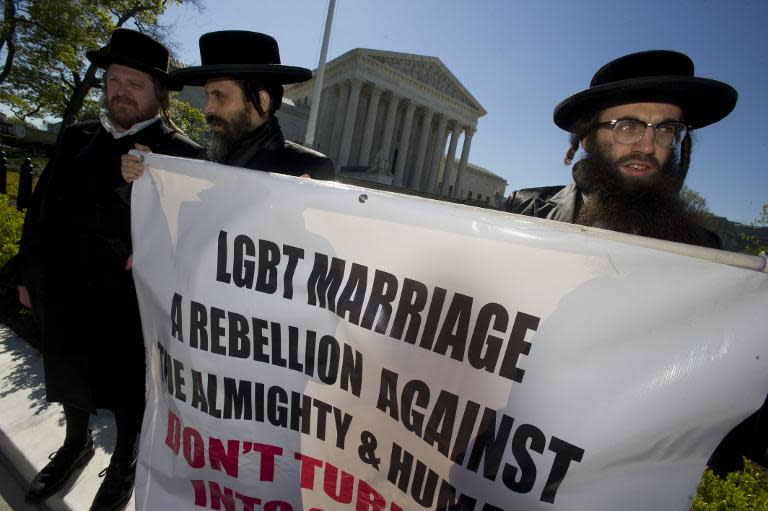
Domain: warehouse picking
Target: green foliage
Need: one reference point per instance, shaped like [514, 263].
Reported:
[190, 120]
[49, 74]
[11, 222]
[740, 491]
[753, 243]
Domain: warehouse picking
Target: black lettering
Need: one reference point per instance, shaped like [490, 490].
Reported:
[198, 319]
[490, 444]
[221, 259]
[353, 295]
[217, 331]
[565, 453]
[383, 293]
[176, 327]
[293, 349]
[301, 408]
[277, 345]
[415, 393]
[328, 359]
[352, 370]
[424, 484]
[276, 413]
[413, 299]
[388, 394]
[242, 268]
[517, 346]
[446, 499]
[455, 329]
[323, 409]
[237, 396]
[433, 317]
[198, 392]
[440, 424]
[294, 254]
[520, 451]
[259, 340]
[239, 344]
[484, 348]
[269, 258]
[178, 380]
[323, 284]
[465, 432]
[400, 466]
[211, 392]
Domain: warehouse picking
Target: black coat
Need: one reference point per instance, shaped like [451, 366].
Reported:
[74, 247]
[266, 149]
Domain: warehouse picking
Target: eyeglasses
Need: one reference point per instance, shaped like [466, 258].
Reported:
[629, 131]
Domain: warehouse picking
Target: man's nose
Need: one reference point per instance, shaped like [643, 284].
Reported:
[646, 144]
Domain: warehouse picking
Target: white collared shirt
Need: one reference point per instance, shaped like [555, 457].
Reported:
[130, 131]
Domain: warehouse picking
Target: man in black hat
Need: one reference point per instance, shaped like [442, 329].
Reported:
[72, 264]
[243, 80]
[634, 124]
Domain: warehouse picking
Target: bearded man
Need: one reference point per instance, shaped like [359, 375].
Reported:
[634, 124]
[243, 81]
[72, 265]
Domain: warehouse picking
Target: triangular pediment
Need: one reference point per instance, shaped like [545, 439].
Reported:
[429, 71]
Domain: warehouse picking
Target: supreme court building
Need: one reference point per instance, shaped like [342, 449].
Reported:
[393, 121]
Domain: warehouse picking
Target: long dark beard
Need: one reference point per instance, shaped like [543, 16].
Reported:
[234, 129]
[650, 207]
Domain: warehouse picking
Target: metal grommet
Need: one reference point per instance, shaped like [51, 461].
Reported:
[363, 197]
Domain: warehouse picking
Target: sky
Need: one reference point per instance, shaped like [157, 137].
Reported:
[521, 58]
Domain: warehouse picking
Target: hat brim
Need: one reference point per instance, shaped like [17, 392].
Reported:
[273, 72]
[702, 100]
[103, 59]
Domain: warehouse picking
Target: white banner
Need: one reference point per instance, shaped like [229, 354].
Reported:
[324, 347]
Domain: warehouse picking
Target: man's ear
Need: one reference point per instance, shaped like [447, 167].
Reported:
[264, 100]
[584, 145]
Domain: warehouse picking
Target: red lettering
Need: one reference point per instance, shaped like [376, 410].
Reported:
[248, 502]
[341, 493]
[308, 466]
[220, 458]
[277, 505]
[217, 497]
[193, 448]
[174, 429]
[201, 496]
[369, 499]
[268, 453]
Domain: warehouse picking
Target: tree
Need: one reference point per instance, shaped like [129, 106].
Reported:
[754, 244]
[45, 71]
[190, 120]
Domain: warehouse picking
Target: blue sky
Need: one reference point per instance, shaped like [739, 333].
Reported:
[520, 58]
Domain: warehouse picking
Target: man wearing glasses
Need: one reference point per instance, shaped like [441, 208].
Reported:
[634, 124]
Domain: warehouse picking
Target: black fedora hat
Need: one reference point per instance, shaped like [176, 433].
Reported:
[136, 50]
[658, 76]
[240, 54]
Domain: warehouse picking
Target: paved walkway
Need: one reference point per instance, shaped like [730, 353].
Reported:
[31, 429]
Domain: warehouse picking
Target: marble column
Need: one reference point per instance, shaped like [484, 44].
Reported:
[389, 128]
[405, 138]
[338, 121]
[436, 154]
[349, 122]
[468, 132]
[370, 124]
[450, 159]
[421, 152]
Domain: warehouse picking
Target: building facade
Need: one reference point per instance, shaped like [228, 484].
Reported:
[392, 120]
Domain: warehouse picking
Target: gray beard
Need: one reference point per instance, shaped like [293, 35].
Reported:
[235, 129]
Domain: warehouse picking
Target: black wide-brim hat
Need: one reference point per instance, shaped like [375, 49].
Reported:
[240, 54]
[135, 50]
[657, 76]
